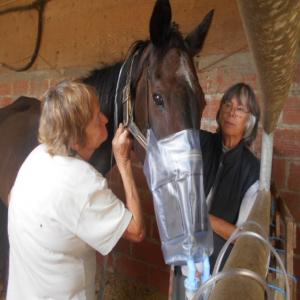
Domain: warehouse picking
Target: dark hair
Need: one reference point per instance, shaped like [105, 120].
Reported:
[245, 95]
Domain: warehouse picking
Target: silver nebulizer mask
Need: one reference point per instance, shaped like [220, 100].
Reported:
[173, 168]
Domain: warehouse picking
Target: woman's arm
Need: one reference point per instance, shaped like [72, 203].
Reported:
[122, 147]
[221, 227]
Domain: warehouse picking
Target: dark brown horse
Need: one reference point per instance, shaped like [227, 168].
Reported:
[164, 88]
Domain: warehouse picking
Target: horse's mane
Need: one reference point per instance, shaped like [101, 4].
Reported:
[105, 80]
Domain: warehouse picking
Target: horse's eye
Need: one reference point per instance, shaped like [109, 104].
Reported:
[158, 99]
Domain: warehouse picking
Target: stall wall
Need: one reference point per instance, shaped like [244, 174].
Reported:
[82, 35]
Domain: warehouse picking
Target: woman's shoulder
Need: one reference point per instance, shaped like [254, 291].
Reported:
[207, 134]
[208, 137]
[210, 142]
[251, 156]
[77, 172]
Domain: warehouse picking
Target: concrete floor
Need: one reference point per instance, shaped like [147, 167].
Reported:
[118, 288]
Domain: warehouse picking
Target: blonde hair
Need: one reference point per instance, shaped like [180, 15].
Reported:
[66, 111]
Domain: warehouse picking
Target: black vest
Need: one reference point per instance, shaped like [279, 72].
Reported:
[239, 169]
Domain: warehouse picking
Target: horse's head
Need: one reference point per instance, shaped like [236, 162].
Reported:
[168, 96]
[164, 87]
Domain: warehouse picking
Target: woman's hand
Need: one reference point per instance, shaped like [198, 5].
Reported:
[122, 145]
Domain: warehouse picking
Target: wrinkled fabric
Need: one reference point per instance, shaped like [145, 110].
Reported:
[173, 168]
[60, 212]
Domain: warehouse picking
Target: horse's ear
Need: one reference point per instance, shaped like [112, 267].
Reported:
[195, 40]
[160, 23]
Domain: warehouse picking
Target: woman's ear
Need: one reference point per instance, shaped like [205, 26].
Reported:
[75, 147]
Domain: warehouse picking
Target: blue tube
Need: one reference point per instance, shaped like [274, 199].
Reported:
[206, 269]
[277, 289]
[191, 283]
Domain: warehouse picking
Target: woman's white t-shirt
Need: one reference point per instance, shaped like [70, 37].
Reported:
[60, 211]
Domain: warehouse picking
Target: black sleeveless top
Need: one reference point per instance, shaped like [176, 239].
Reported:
[236, 170]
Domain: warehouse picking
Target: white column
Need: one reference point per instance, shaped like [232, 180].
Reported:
[266, 161]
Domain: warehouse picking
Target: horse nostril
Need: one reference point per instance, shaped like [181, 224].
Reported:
[158, 99]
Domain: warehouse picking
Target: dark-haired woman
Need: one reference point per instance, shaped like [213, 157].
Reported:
[231, 170]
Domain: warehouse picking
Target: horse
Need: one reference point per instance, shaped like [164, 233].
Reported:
[163, 93]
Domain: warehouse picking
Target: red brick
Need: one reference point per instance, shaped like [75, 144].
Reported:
[111, 261]
[287, 142]
[99, 258]
[159, 279]
[207, 80]
[251, 79]
[211, 109]
[291, 111]
[294, 177]
[123, 246]
[278, 172]
[221, 80]
[132, 268]
[215, 80]
[5, 89]
[20, 87]
[149, 252]
[54, 82]
[226, 77]
[38, 87]
[218, 79]
[4, 101]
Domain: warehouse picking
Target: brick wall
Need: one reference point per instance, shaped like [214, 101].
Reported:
[143, 263]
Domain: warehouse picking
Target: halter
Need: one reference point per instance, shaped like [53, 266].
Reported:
[127, 103]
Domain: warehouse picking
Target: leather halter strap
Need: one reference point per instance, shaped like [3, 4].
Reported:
[128, 118]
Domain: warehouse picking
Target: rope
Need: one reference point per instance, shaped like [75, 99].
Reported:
[39, 5]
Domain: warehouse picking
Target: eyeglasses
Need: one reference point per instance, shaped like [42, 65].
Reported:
[240, 110]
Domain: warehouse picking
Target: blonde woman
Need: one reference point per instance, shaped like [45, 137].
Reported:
[61, 211]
